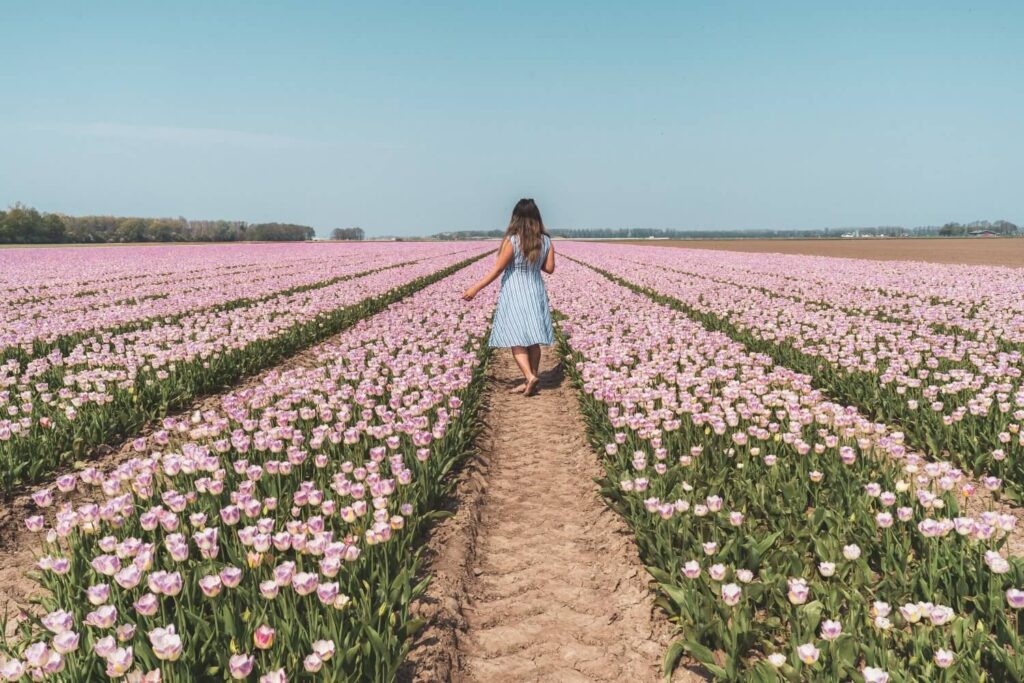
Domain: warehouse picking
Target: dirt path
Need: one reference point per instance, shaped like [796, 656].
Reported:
[535, 579]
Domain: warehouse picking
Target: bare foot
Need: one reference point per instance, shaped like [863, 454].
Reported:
[517, 389]
[530, 386]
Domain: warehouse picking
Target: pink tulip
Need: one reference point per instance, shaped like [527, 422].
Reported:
[731, 594]
[830, 630]
[147, 605]
[66, 642]
[120, 662]
[873, 675]
[59, 621]
[798, 591]
[12, 669]
[241, 665]
[102, 617]
[231, 576]
[807, 653]
[166, 643]
[943, 658]
[312, 663]
[324, 649]
[211, 585]
[263, 637]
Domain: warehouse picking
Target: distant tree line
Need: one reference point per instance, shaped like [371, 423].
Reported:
[348, 234]
[24, 225]
[469, 235]
[998, 227]
[279, 232]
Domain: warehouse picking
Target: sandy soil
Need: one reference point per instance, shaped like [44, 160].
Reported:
[534, 578]
[974, 251]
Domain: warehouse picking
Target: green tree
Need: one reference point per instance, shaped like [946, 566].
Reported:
[347, 234]
[164, 230]
[52, 229]
[22, 225]
[279, 232]
[131, 230]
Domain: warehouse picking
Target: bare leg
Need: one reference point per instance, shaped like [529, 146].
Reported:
[522, 358]
[518, 388]
[534, 353]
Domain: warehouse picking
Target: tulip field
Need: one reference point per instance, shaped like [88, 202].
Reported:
[933, 349]
[775, 519]
[270, 535]
[94, 356]
[797, 444]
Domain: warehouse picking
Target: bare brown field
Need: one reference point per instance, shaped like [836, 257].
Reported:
[976, 251]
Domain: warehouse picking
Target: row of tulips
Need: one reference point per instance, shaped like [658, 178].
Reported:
[955, 395]
[43, 307]
[791, 537]
[978, 301]
[55, 409]
[274, 537]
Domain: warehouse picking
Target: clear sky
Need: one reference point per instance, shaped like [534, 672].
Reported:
[409, 118]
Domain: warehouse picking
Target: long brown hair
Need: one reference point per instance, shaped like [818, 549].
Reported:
[527, 224]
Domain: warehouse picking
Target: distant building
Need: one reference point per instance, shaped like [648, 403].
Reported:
[982, 233]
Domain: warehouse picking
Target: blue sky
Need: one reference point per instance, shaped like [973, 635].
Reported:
[409, 118]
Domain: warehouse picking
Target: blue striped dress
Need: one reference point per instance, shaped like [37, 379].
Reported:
[523, 316]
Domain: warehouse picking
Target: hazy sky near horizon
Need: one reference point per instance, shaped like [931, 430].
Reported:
[414, 117]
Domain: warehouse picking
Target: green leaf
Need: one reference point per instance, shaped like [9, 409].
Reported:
[660, 575]
[672, 657]
[677, 594]
[766, 542]
[812, 614]
[846, 649]
[699, 652]
[412, 626]
[376, 641]
[228, 619]
[705, 657]
[420, 587]
[438, 514]
[764, 673]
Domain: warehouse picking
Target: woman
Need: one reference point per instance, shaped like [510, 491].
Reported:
[522, 320]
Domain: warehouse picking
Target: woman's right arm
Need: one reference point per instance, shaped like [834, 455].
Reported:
[505, 254]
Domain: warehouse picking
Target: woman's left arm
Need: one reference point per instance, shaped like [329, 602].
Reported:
[549, 262]
[505, 255]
